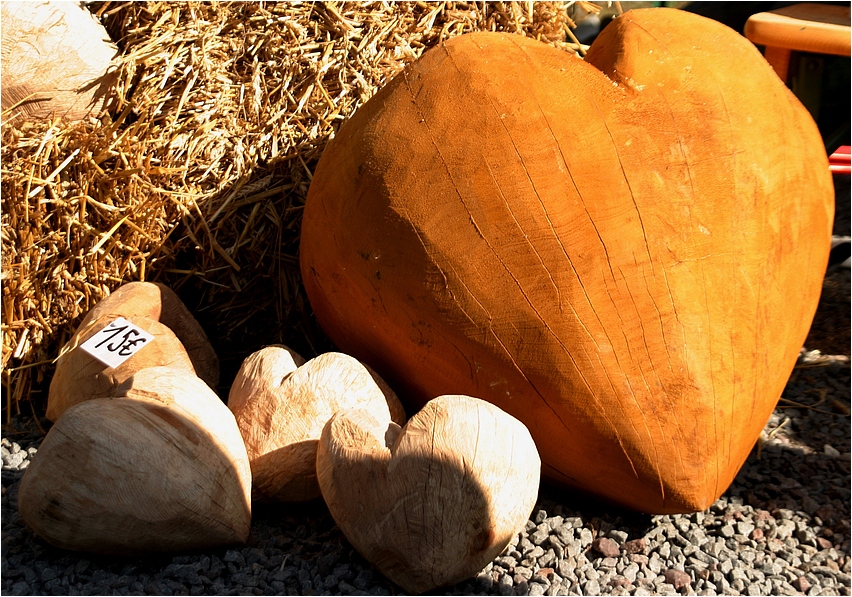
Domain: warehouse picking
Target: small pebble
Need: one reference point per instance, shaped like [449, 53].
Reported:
[677, 578]
[606, 547]
[830, 450]
[592, 587]
[635, 546]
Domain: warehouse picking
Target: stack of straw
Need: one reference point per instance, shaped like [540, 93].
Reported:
[196, 172]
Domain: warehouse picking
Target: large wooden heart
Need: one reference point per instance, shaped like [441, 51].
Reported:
[625, 252]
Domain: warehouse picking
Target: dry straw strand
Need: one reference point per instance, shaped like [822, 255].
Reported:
[196, 171]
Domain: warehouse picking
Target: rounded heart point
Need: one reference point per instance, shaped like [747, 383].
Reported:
[160, 466]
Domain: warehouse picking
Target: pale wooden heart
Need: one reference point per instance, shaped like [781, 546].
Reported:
[430, 504]
[625, 252]
[58, 61]
[179, 342]
[159, 467]
[79, 376]
[281, 405]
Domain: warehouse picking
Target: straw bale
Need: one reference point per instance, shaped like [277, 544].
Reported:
[196, 171]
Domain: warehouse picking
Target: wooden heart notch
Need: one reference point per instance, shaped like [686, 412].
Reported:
[625, 253]
[281, 404]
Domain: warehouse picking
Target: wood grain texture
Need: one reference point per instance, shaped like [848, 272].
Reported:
[56, 58]
[157, 301]
[79, 376]
[625, 253]
[432, 503]
[179, 342]
[159, 467]
[806, 27]
[281, 405]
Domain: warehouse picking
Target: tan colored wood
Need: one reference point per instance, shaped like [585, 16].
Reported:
[806, 27]
[157, 301]
[282, 403]
[179, 342]
[55, 60]
[79, 376]
[158, 467]
[625, 253]
[432, 503]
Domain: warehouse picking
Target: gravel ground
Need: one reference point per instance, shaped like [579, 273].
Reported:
[783, 528]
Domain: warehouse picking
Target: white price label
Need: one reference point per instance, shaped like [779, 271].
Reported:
[117, 342]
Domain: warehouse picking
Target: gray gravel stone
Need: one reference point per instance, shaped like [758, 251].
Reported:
[565, 533]
[630, 571]
[744, 527]
[592, 587]
[785, 529]
[540, 534]
[523, 573]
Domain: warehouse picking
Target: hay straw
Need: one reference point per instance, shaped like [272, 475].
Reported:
[196, 172]
[764, 437]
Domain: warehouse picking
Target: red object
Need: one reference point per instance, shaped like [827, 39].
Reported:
[839, 161]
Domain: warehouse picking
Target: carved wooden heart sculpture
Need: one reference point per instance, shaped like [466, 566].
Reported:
[281, 404]
[160, 466]
[625, 252]
[432, 503]
[179, 341]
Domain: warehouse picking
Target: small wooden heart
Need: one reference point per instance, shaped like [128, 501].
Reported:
[432, 503]
[80, 376]
[179, 341]
[281, 405]
[161, 467]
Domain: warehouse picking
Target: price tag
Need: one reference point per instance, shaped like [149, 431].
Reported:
[117, 342]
